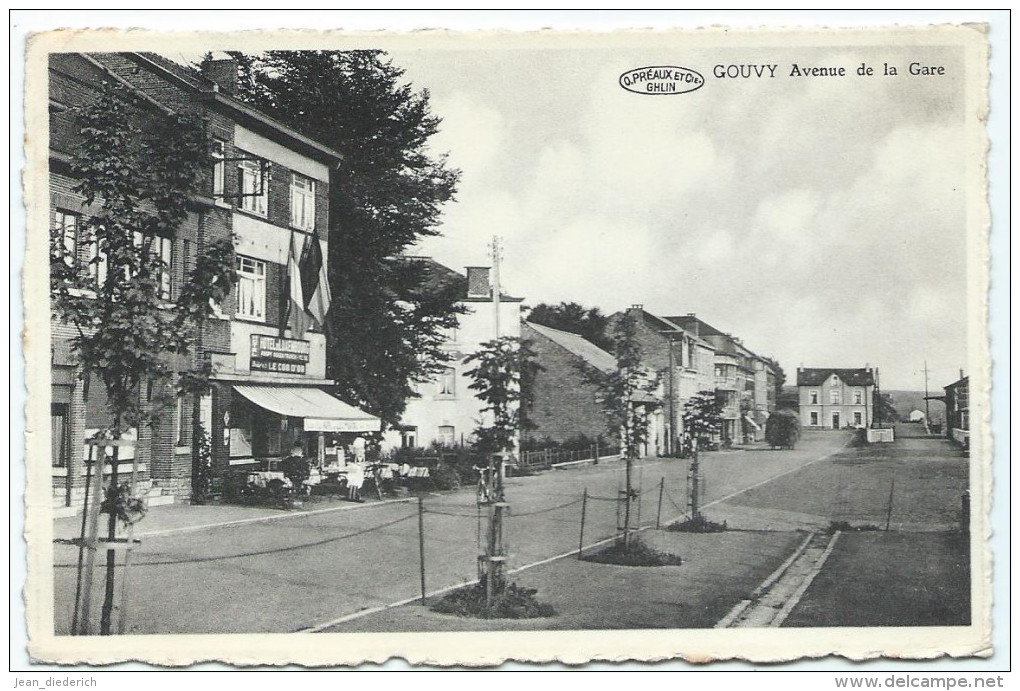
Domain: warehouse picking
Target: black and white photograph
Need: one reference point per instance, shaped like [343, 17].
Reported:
[551, 346]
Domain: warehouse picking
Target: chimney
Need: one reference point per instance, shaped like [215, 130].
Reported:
[478, 285]
[223, 73]
[961, 373]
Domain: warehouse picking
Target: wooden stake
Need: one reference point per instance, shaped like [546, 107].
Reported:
[421, 546]
[658, 512]
[584, 510]
[888, 513]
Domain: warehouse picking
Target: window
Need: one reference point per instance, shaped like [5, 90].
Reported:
[446, 436]
[858, 419]
[251, 288]
[97, 263]
[219, 171]
[409, 437]
[448, 382]
[254, 187]
[814, 419]
[858, 398]
[65, 224]
[813, 397]
[834, 396]
[162, 249]
[59, 438]
[302, 202]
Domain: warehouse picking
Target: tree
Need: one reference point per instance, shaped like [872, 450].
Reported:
[782, 429]
[703, 416]
[702, 420]
[496, 379]
[574, 318]
[622, 392]
[387, 322]
[137, 182]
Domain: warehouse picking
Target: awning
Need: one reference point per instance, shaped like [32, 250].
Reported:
[321, 412]
[753, 423]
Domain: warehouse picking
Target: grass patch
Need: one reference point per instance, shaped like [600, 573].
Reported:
[698, 524]
[638, 554]
[513, 603]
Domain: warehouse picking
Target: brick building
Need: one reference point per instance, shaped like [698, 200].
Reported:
[744, 381]
[565, 404]
[267, 186]
[957, 400]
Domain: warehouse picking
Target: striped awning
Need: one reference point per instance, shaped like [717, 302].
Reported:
[321, 412]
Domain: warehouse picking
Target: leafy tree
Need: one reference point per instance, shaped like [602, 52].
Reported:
[137, 182]
[387, 321]
[496, 379]
[782, 429]
[570, 316]
[620, 391]
[884, 408]
[703, 416]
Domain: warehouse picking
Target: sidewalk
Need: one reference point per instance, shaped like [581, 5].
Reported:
[179, 518]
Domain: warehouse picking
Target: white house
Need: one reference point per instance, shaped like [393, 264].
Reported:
[446, 411]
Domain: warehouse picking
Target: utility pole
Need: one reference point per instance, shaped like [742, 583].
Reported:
[927, 417]
[497, 255]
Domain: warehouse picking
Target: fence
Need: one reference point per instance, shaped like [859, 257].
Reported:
[545, 459]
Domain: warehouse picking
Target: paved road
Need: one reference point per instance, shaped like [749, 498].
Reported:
[312, 568]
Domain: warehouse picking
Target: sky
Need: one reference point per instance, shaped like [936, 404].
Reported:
[819, 219]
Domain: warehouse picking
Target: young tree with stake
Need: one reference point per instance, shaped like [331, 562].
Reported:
[138, 182]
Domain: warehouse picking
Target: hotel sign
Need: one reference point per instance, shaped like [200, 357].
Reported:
[280, 355]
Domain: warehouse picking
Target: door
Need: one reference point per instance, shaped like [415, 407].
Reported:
[835, 421]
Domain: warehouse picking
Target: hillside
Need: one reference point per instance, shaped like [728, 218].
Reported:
[905, 401]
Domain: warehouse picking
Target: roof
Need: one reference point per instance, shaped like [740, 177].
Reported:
[814, 376]
[439, 276]
[578, 346]
[250, 116]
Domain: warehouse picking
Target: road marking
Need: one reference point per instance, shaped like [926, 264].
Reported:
[267, 519]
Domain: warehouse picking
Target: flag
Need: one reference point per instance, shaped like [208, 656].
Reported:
[297, 318]
[314, 282]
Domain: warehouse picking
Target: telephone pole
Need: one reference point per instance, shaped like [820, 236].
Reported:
[497, 255]
[927, 418]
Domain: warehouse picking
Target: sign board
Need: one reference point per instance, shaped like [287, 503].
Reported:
[282, 355]
[324, 425]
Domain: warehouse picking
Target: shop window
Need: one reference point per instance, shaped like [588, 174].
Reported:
[251, 288]
[254, 180]
[302, 202]
[65, 225]
[448, 382]
[447, 435]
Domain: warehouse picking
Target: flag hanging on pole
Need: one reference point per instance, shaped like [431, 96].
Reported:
[297, 318]
[314, 281]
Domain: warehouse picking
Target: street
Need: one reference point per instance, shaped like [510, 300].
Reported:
[315, 567]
